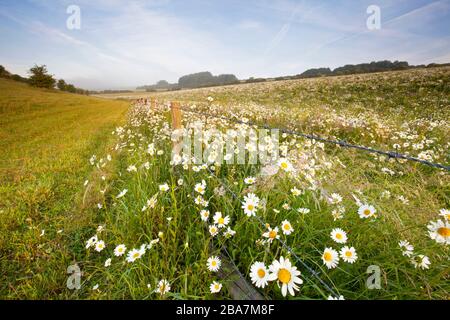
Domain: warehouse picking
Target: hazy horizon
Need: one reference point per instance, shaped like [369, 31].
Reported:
[124, 44]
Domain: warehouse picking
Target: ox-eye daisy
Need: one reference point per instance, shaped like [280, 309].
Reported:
[296, 192]
[439, 231]
[91, 242]
[250, 204]
[250, 180]
[407, 248]
[120, 250]
[213, 230]
[339, 235]
[286, 227]
[215, 287]
[200, 187]
[213, 264]
[164, 187]
[421, 262]
[163, 287]
[259, 274]
[366, 211]
[330, 258]
[271, 234]
[286, 274]
[204, 214]
[100, 245]
[220, 220]
[445, 213]
[284, 164]
[135, 254]
[348, 254]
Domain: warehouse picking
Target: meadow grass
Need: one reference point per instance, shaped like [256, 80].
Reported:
[137, 196]
[46, 138]
[407, 109]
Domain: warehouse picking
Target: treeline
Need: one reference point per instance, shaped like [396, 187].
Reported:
[40, 78]
[195, 80]
[378, 66]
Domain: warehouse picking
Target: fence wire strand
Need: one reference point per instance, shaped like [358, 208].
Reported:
[342, 143]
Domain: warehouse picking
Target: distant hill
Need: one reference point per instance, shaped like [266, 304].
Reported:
[206, 79]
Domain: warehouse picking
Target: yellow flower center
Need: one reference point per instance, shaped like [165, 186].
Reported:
[284, 276]
[250, 207]
[367, 212]
[348, 254]
[287, 227]
[221, 220]
[327, 256]
[338, 236]
[284, 165]
[136, 255]
[261, 273]
[444, 232]
[272, 234]
[213, 263]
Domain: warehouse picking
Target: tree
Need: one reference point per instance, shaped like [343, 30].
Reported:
[2, 71]
[40, 77]
[62, 85]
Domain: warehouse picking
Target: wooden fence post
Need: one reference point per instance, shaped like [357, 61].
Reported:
[152, 103]
[176, 124]
[176, 115]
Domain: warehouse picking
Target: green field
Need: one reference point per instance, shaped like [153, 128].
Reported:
[46, 139]
[49, 139]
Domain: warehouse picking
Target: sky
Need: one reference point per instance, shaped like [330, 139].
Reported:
[122, 44]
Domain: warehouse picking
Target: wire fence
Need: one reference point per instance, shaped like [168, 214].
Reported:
[389, 154]
[313, 273]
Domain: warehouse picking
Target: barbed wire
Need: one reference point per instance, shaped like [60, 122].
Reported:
[313, 272]
[342, 143]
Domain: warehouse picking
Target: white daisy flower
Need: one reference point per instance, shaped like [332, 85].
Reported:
[163, 287]
[284, 164]
[100, 245]
[439, 231]
[348, 254]
[135, 254]
[286, 227]
[220, 220]
[285, 274]
[335, 298]
[229, 233]
[164, 187]
[366, 211]
[296, 192]
[215, 287]
[213, 264]
[339, 235]
[407, 248]
[335, 198]
[200, 187]
[259, 274]
[122, 193]
[204, 214]
[445, 213]
[303, 210]
[250, 204]
[120, 250]
[213, 230]
[271, 234]
[250, 180]
[330, 258]
[421, 262]
[91, 242]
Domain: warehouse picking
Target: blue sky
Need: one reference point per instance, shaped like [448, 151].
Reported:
[123, 44]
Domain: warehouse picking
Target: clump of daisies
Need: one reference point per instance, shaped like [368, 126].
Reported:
[282, 271]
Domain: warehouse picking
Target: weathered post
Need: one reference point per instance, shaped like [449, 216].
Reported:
[176, 125]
